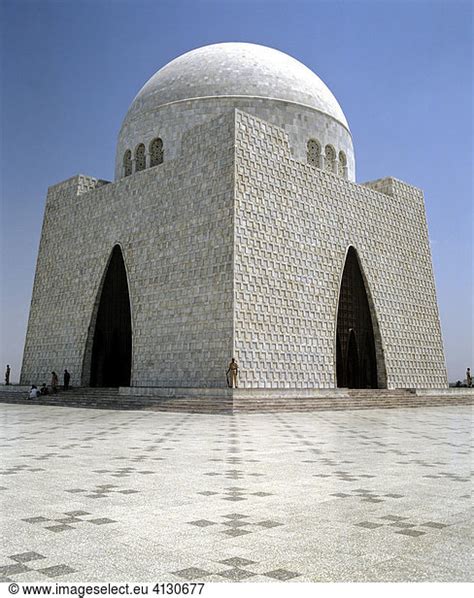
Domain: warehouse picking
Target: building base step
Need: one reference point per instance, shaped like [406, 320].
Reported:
[228, 401]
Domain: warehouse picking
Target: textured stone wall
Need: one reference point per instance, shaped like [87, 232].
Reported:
[174, 224]
[171, 122]
[234, 247]
[293, 226]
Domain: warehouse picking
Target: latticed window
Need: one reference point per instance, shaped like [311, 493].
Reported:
[330, 159]
[342, 164]
[127, 163]
[140, 158]
[313, 153]
[156, 152]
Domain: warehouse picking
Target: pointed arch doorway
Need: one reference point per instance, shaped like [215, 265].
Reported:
[111, 359]
[356, 356]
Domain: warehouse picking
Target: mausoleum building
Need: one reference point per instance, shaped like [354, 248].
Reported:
[235, 228]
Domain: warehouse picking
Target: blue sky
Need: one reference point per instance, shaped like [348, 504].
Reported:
[401, 70]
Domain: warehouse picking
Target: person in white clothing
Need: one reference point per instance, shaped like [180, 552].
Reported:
[34, 392]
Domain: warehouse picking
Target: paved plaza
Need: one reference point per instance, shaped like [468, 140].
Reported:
[372, 495]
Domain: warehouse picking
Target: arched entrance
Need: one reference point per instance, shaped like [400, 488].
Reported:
[111, 360]
[356, 362]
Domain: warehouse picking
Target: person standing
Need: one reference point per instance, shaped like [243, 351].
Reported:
[468, 378]
[7, 375]
[67, 378]
[233, 370]
[54, 382]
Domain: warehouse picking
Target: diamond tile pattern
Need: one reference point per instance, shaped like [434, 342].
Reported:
[304, 517]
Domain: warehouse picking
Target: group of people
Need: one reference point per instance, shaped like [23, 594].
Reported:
[36, 392]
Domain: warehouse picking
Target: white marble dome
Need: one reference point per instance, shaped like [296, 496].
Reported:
[210, 81]
[234, 70]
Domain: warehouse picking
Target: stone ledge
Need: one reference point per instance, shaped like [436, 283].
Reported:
[14, 388]
[236, 393]
[288, 393]
[240, 401]
[436, 392]
[274, 393]
[172, 392]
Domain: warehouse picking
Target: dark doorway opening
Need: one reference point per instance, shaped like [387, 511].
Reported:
[111, 362]
[356, 364]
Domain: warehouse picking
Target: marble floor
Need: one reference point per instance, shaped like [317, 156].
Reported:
[373, 495]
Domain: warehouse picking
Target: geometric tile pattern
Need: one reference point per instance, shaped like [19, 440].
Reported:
[310, 514]
[67, 521]
[402, 525]
[34, 560]
[236, 494]
[237, 524]
[101, 491]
